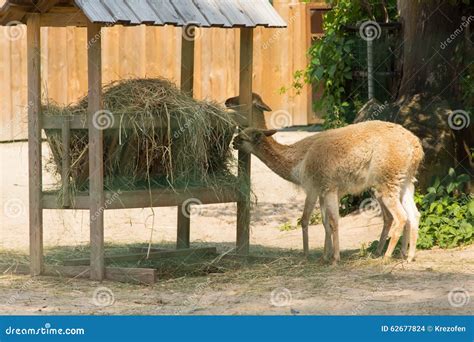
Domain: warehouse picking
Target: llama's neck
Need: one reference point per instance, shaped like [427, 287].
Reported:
[281, 159]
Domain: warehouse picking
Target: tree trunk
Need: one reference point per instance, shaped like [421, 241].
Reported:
[434, 60]
[430, 62]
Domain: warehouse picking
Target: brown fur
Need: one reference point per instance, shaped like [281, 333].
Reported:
[259, 109]
[372, 155]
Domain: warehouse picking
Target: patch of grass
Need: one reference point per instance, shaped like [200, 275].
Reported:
[314, 220]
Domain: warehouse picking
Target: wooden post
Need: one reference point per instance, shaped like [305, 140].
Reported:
[245, 99]
[66, 161]
[34, 144]
[187, 80]
[96, 152]
[187, 64]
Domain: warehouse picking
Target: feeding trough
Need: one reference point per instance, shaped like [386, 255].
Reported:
[69, 128]
[155, 136]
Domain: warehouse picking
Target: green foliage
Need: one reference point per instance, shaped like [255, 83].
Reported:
[351, 203]
[314, 219]
[467, 89]
[447, 214]
[332, 60]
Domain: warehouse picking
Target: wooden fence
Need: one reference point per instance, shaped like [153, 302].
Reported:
[153, 51]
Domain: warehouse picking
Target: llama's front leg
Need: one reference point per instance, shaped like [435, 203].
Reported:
[309, 204]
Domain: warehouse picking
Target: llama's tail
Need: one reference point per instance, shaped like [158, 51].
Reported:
[417, 157]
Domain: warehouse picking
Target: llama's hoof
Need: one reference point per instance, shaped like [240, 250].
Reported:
[378, 254]
[387, 259]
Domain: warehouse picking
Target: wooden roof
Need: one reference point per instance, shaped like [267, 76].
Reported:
[203, 13]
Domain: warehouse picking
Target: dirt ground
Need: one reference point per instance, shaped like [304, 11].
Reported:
[439, 282]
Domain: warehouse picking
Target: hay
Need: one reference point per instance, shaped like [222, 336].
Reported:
[175, 140]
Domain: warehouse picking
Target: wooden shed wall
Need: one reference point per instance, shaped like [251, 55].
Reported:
[155, 51]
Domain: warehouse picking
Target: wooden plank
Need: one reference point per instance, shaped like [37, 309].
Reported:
[253, 10]
[166, 12]
[145, 199]
[80, 122]
[145, 249]
[34, 144]
[14, 268]
[143, 12]
[210, 9]
[95, 11]
[131, 275]
[190, 13]
[45, 5]
[121, 12]
[66, 163]
[245, 99]
[196, 253]
[96, 152]
[120, 274]
[234, 15]
[75, 18]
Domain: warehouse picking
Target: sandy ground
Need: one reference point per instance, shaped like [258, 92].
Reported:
[439, 282]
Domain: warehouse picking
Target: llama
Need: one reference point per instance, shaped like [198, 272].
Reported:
[259, 107]
[373, 155]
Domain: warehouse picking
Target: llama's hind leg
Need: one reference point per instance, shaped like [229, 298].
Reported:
[387, 222]
[309, 204]
[330, 210]
[410, 233]
[394, 206]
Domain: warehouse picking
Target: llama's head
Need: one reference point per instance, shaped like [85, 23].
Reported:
[257, 102]
[250, 138]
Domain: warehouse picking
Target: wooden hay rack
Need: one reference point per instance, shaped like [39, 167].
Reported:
[96, 14]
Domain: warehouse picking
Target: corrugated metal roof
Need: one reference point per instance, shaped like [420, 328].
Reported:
[203, 13]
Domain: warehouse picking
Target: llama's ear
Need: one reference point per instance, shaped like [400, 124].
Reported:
[232, 102]
[269, 132]
[258, 102]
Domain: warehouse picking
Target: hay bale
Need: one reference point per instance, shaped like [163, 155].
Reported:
[189, 146]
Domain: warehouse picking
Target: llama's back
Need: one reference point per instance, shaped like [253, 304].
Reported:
[357, 157]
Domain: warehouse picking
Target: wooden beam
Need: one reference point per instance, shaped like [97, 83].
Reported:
[187, 63]
[66, 163]
[34, 144]
[121, 274]
[183, 236]
[119, 121]
[245, 99]
[155, 255]
[72, 18]
[45, 5]
[96, 152]
[187, 82]
[145, 198]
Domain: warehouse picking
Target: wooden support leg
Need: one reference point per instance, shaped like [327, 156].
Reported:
[243, 206]
[96, 152]
[66, 162]
[34, 144]
[184, 223]
[187, 80]
[245, 99]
